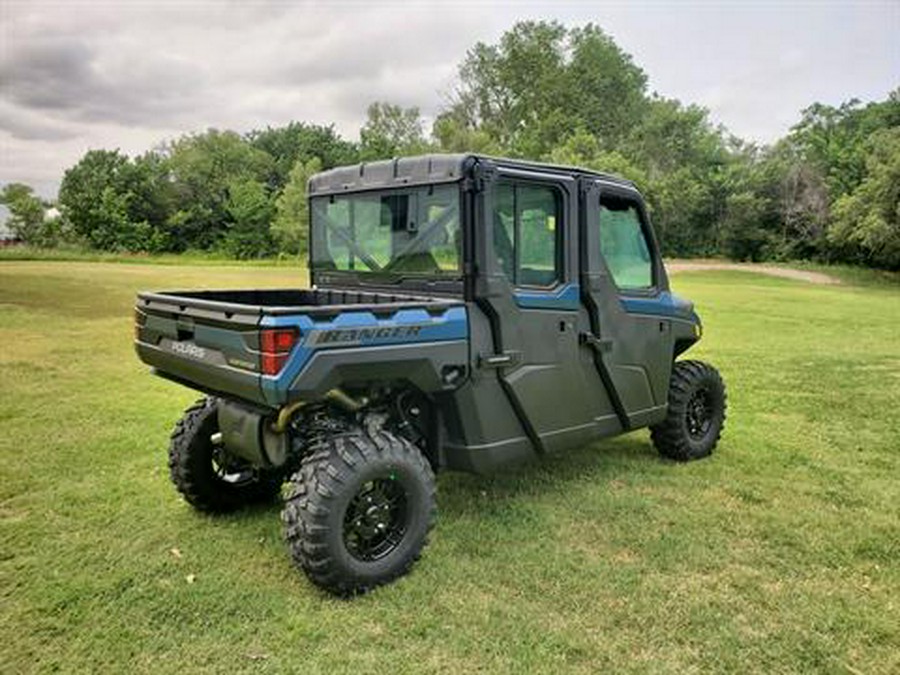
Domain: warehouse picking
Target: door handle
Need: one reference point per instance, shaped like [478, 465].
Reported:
[498, 360]
[596, 343]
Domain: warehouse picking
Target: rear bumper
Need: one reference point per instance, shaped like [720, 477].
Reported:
[221, 380]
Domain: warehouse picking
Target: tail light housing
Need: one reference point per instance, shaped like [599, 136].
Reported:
[139, 320]
[275, 345]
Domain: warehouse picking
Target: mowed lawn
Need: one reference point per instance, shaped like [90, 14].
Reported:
[779, 554]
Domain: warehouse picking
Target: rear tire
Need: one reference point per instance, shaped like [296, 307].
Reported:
[696, 415]
[205, 474]
[359, 510]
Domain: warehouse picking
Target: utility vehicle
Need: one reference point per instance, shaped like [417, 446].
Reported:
[465, 312]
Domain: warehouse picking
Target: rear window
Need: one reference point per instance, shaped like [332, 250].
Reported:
[396, 233]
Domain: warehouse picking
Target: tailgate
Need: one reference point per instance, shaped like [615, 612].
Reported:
[208, 345]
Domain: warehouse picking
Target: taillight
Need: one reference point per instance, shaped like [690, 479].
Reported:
[275, 345]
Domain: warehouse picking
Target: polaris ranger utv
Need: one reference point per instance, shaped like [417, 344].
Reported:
[465, 312]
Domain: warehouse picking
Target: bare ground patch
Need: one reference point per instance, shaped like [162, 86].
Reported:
[677, 266]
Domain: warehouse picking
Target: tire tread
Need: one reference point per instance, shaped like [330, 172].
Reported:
[192, 474]
[323, 474]
[669, 435]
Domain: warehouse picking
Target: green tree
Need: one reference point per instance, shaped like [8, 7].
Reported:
[114, 227]
[818, 167]
[866, 225]
[26, 211]
[671, 137]
[81, 195]
[250, 210]
[542, 91]
[834, 139]
[511, 90]
[572, 96]
[291, 226]
[541, 83]
[804, 204]
[683, 213]
[583, 149]
[115, 203]
[152, 195]
[686, 161]
[748, 186]
[391, 131]
[302, 142]
[203, 168]
[456, 133]
[608, 89]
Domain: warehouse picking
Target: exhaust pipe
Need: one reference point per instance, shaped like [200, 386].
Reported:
[337, 396]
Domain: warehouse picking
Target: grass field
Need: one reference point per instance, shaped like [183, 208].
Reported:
[779, 554]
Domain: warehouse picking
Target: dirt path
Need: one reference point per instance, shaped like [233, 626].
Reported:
[676, 266]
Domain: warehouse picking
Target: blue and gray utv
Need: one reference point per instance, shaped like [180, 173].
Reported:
[465, 312]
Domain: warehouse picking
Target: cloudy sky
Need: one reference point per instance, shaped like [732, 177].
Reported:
[79, 75]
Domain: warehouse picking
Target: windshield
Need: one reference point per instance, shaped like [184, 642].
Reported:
[395, 233]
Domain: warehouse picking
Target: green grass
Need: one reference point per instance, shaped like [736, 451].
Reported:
[850, 274]
[74, 253]
[779, 554]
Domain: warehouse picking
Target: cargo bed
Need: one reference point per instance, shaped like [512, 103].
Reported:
[214, 340]
[285, 301]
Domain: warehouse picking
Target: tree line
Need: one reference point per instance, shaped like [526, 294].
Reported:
[829, 190]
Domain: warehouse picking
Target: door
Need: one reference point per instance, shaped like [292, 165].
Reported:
[626, 292]
[530, 294]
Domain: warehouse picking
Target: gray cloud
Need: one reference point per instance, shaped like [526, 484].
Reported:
[71, 80]
[27, 125]
[77, 75]
[46, 73]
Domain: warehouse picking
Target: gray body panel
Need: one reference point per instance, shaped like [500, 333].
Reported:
[419, 364]
[560, 392]
[639, 359]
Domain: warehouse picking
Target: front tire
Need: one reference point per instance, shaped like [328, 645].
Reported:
[696, 415]
[359, 510]
[205, 474]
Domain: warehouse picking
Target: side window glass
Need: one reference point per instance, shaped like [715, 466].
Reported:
[623, 244]
[537, 214]
[504, 228]
[527, 233]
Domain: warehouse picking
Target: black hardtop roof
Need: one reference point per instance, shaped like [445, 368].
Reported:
[428, 169]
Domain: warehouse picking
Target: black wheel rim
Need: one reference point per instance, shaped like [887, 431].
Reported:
[229, 469]
[375, 521]
[700, 414]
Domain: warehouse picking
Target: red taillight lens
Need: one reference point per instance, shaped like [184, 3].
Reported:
[271, 364]
[275, 345]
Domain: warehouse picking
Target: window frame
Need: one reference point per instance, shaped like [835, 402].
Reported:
[647, 233]
[560, 240]
[369, 278]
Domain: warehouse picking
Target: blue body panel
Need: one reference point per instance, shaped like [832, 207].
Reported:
[452, 324]
[665, 304]
[566, 297]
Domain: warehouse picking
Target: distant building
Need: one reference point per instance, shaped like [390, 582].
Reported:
[7, 236]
